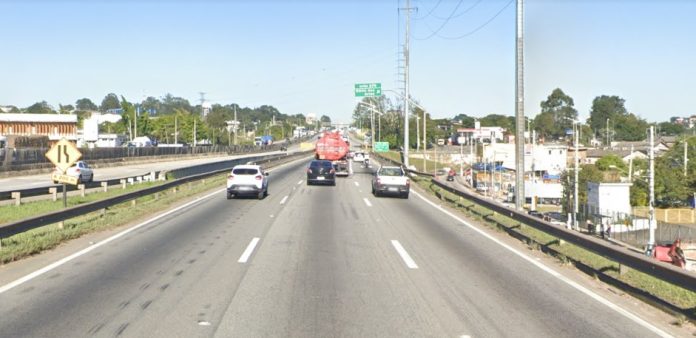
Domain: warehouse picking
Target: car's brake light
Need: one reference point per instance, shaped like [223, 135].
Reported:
[259, 177]
[77, 170]
[309, 170]
[379, 181]
[408, 183]
[332, 171]
[229, 177]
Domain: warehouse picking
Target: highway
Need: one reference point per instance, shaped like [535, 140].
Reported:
[307, 261]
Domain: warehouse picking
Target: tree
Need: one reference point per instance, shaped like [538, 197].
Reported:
[588, 173]
[85, 104]
[65, 109]
[151, 105]
[40, 108]
[496, 120]
[110, 101]
[557, 115]
[465, 120]
[670, 129]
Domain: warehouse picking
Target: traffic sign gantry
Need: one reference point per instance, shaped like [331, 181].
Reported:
[63, 154]
[368, 89]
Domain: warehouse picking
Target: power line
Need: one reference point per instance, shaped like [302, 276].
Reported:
[473, 31]
[460, 14]
[444, 23]
[430, 12]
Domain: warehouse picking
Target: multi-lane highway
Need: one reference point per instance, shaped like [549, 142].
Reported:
[309, 261]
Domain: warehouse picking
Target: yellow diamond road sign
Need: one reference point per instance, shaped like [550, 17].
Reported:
[63, 154]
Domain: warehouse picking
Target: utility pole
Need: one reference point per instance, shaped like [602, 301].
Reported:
[407, 94]
[202, 101]
[651, 183]
[236, 126]
[686, 158]
[519, 109]
[176, 129]
[577, 169]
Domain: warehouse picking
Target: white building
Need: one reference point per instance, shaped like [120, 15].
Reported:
[551, 159]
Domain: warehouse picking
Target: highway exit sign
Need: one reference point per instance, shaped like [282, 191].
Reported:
[63, 154]
[368, 89]
[381, 147]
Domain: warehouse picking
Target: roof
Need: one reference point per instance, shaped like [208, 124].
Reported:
[44, 118]
[247, 166]
[605, 152]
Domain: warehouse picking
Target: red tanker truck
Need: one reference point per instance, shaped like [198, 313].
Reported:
[332, 147]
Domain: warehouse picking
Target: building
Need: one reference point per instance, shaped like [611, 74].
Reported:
[53, 126]
[480, 134]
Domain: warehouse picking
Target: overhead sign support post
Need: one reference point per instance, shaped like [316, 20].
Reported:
[63, 155]
[369, 90]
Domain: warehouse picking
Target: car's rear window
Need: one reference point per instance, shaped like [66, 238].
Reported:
[316, 164]
[391, 172]
[245, 171]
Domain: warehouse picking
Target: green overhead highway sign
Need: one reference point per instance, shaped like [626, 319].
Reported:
[368, 89]
[381, 147]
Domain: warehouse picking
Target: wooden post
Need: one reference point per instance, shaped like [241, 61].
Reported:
[54, 193]
[133, 203]
[81, 187]
[17, 196]
[105, 186]
[123, 184]
[61, 224]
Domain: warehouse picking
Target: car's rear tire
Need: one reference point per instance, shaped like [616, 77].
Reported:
[404, 196]
[261, 195]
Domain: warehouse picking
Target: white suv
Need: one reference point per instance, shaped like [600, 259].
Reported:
[247, 180]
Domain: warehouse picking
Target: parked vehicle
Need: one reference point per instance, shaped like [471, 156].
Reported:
[321, 172]
[332, 147]
[391, 180]
[247, 180]
[451, 174]
[81, 170]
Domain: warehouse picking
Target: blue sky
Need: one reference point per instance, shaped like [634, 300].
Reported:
[305, 56]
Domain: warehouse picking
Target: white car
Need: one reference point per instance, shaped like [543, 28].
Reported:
[359, 157]
[81, 170]
[247, 180]
[391, 180]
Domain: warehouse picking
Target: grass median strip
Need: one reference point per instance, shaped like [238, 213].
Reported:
[45, 238]
[566, 252]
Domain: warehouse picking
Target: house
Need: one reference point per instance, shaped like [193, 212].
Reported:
[593, 155]
[52, 126]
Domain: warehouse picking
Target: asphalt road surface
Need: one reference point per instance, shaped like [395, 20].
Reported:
[306, 261]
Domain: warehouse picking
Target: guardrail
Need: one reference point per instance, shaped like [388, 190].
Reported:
[18, 227]
[624, 256]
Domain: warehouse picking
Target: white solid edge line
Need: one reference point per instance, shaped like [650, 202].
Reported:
[541, 266]
[367, 202]
[284, 199]
[404, 255]
[249, 250]
[67, 259]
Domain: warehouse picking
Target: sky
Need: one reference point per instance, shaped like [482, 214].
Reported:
[305, 56]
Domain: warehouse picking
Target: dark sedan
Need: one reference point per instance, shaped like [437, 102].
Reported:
[321, 172]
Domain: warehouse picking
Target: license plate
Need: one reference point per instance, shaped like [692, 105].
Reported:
[393, 189]
[244, 188]
[320, 177]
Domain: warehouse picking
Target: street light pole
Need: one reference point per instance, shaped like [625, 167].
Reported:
[651, 183]
[575, 192]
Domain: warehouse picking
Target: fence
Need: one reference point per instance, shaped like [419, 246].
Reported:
[34, 158]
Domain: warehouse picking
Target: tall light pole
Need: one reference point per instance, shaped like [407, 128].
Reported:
[519, 108]
[652, 224]
[575, 189]
[407, 95]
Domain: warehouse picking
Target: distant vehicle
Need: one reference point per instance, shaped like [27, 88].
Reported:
[247, 180]
[481, 187]
[359, 157]
[81, 170]
[333, 148]
[321, 172]
[451, 174]
[391, 180]
[535, 214]
[264, 140]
